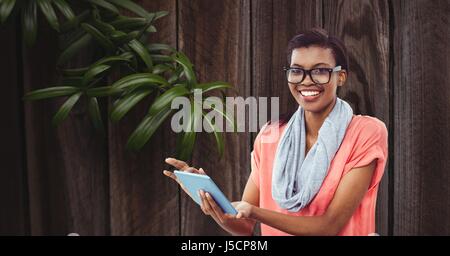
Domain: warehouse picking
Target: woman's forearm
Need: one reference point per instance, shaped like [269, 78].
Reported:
[294, 225]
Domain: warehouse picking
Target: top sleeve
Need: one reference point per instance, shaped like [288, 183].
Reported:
[371, 143]
[255, 159]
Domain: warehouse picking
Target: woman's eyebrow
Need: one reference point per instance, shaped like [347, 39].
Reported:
[315, 65]
[321, 64]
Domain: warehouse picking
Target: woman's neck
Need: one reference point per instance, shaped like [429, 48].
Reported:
[314, 120]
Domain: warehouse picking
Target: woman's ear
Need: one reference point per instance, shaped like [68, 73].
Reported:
[342, 77]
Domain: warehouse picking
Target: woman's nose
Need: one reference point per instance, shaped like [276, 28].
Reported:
[307, 81]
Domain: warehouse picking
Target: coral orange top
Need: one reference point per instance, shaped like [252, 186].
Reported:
[365, 140]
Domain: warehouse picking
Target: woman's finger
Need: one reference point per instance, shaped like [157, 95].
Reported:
[174, 177]
[228, 216]
[215, 208]
[203, 205]
[170, 175]
[180, 165]
[203, 208]
[191, 170]
[207, 205]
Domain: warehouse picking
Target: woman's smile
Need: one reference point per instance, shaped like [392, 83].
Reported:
[310, 95]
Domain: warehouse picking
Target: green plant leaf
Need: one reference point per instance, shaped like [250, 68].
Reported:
[94, 72]
[166, 98]
[131, 6]
[73, 23]
[183, 60]
[105, 5]
[124, 105]
[103, 91]
[146, 129]
[80, 72]
[74, 71]
[29, 23]
[121, 38]
[73, 48]
[206, 87]
[151, 29]
[98, 36]
[160, 47]
[186, 140]
[138, 79]
[112, 59]
[176, 75]
[64, 8]
[103, 27]
[160, 14]
[217, 135]
[51, 92]
[64, 110]
[223, 113]
[6, 6]
[123, 23]
[142, 52]
[161, 68]
[49, 13]
[128, 55]
[159, 58]
[94, 113]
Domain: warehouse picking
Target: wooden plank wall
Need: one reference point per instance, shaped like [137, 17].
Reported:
[66, 165]
[14, 217]
[70, 179]
[421, 117]
[215, 37]
[143, 201]
[364, 28]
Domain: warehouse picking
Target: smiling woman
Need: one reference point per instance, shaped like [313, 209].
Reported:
[317, 170]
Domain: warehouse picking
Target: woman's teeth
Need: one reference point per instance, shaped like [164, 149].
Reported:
[309, 93]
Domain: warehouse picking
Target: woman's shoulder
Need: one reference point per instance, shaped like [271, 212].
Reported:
[363, 128]
[271, 132]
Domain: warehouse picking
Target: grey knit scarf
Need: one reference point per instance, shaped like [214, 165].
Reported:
[296, 179]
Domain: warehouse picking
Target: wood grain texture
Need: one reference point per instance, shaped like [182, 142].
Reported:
[422, 117]
[216, 38]
[13, 186]
[67, 165]
[364, 28]
[274, 23]
[143, 201]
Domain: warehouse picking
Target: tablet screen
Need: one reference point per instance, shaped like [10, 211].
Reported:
[194, 182]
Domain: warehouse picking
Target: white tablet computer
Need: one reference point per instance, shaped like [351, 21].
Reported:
[194, 182]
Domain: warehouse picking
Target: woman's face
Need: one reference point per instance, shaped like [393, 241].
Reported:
[309, 58]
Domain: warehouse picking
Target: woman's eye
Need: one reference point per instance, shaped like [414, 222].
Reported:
[297, 71]
[319, 71]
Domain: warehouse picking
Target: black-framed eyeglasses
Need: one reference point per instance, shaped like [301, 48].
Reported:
[296, 75]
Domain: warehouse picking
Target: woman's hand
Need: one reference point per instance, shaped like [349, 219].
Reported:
[182, 166]
[234, 224]
[210, 207]
[244, 209]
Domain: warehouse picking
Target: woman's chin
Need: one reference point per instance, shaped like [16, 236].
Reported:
[317, 107]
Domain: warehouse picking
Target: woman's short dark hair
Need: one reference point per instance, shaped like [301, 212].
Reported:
[319, 37]
[316, 37]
